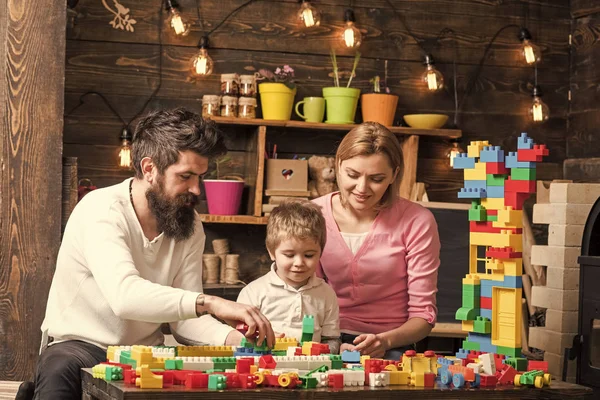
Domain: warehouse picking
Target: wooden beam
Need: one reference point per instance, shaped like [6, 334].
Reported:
[32, 33]
[410, 151]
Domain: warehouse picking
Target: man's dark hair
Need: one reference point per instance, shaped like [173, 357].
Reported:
[161, 135]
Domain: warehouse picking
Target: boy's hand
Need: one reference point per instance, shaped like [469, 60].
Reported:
[232, 312]
[370, 345]
[346, 346]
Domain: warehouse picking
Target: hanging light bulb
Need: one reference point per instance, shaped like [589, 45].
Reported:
[179, 26]
[202, 64]
[453, 151]
[351, 36]
[125, 150]
[539, 110]
[308, 15]
[432, 77]
[530, 51]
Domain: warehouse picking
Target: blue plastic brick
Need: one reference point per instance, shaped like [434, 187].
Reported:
[524, 141]
[350, 356]
[475, 184]
[463, 161]
[513, 281]
[462, 353]
[495, 192]
[491, 154]
[486, 287]
[512, 162]
[485, 313]
[472, 194]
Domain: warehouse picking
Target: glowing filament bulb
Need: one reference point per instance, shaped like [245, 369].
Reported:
[529, 52]
[177, 23]
[125, 155]
[431, 80]
[307, 17]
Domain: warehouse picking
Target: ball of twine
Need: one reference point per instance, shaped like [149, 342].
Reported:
[211, 266]
[232, 269]
[223, 258]
[221, 246]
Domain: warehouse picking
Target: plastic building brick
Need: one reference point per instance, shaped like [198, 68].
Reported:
[535, 378]
[506, 329]
[476, 184]
[488, 363]
[477, 213]
[485, 302]
[511, 161]
[308, 382]
[474, 149]
[523, 174]
[536, 154]
[524, 141]
[492, 203]
[468, 193]
[197, 381]
[247, 381]
[168, 378]
[336, 361]
[482, 325]
[242, 365]
[467, 345]
[107, 372]
[479, 173]
[147, 380]
[379, 379]
[515, 199]
[495, 168]
[350, 356]
[463, 161]
[506, 376]
[335, 381]
[518, 363]
[174, 364]
[224, 363]
[284, 343]
[509, 351]
[537, 365]
[488, 380]
[492, 154]
[217, 382]
[308, 328]
[509, 217]
[267, 361]
[511, 185]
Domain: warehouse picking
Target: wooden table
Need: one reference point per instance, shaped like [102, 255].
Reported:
[99, 389]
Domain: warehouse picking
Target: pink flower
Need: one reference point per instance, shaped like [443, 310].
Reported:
[288, 69]
[277, 71]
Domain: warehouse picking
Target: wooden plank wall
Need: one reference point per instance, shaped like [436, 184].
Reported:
[123, 66]
[583, 140]
[32, 33]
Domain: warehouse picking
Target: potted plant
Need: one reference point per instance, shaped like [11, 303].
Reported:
[277, 95]
[379, 106]
[223, 194]
[341, 102]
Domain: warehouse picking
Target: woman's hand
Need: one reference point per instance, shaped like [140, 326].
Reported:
[346, 346]
[371, 345]
[233, 313]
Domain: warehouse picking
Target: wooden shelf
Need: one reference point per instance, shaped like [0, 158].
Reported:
[399, 130]
[233, 219]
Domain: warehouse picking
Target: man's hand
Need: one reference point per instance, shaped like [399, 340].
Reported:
[371, 345]
[232, 313]
[346, 346]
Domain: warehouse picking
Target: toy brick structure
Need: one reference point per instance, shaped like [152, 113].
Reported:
[565, 213]
[498, 184]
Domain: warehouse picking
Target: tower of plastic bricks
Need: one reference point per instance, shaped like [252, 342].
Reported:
[497, 184]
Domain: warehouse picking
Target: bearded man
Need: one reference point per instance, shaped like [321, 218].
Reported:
[131, 259]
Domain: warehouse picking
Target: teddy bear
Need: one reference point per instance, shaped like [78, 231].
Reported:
[322, 174]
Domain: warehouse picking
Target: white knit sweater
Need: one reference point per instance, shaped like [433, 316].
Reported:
[112, 286]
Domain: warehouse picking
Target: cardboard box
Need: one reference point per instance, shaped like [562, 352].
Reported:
[287, 175]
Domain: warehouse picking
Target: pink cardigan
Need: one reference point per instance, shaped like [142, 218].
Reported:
[392, 277]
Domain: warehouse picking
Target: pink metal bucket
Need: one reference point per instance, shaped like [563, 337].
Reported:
[223, 196]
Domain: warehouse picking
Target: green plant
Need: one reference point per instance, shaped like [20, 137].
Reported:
[376, 81]
[336, 73]
[283, 74]
[216, 172]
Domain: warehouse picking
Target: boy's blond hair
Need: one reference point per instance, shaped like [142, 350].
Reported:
[296, 219]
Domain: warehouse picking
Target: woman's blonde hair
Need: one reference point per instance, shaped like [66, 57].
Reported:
[367, 139]
[296, 219]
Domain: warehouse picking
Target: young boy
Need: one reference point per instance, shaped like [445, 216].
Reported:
[296, 235]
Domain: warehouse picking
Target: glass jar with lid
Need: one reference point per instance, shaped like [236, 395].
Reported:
[248, 85]
[247, 107]
[230, 84]
[211, 105]
[229, 106]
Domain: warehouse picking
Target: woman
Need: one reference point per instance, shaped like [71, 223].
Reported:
[382, 251]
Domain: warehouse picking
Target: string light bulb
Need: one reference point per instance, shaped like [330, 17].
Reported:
[309, 15]
[202, 64]
[530, 51]
[351, 36]
[174, 20]
[538, 111]
[432, 77]
[125, 150]
[453, 151]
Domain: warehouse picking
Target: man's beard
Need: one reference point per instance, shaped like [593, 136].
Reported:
[174, 217]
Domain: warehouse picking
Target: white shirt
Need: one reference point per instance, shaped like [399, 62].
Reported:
[354, 240]
[112, 286]
[285, 306]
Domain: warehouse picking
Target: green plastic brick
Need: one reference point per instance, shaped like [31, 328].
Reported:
[495, 180]
[523, 174]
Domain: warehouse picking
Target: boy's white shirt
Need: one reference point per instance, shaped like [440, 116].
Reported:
[112, 286]
[284, 306]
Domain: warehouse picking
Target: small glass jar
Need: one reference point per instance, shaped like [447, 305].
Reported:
[229, 106]
[247, 107]
[248, 85]
[211, 105]
[230, 84]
